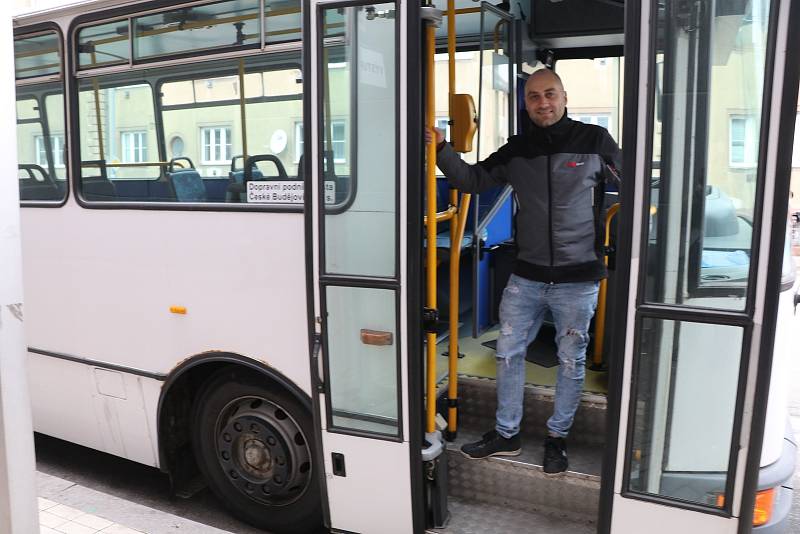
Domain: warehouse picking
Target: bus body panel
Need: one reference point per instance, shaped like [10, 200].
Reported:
[118, 420]
[377, 486]
[73, 260]
[787, 341]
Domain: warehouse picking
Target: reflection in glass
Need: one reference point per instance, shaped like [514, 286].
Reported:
[103, 45]
[37, 56]
[41, 142]
[282, 21]
[683, 409]
[358, 141]
[706, 141]
[218, 25]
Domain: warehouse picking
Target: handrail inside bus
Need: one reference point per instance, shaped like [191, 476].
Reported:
[137, 164]
[600, 316]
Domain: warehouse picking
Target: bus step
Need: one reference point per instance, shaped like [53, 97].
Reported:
[519, 483]
[467, 517]
[477, 405]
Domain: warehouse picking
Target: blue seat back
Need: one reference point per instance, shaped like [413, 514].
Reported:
[188, 185]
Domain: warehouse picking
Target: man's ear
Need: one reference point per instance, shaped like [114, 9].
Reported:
[565, 98]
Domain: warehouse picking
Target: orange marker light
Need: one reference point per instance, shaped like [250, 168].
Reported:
[762, 511]
[180, 310]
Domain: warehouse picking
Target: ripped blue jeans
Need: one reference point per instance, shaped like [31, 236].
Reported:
[522, 311]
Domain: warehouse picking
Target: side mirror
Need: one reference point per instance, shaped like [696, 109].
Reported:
[465, 122]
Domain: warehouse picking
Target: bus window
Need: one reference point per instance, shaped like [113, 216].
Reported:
[103, 45]
[201, 110]
[118, 139]
[215, 141]
[700, 250]
[282, 21]
[220, 25]
[37, 56]
[41, 140]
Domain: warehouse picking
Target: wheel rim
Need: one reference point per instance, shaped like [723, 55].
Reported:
[262, 451]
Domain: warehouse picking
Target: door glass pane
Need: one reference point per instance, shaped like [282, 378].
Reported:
[362, 358]
[709, 89]
[683, 410]
[359, 141]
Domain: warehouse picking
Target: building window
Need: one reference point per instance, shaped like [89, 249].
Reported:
[216, 143]
[743, 142]
[338, 142]
[600, 119]
[176, 146]
[56, 145]
[134, 147]
[442, 123]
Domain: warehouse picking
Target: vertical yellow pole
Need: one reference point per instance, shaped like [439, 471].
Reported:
[457, 227]
[600, 316]
[96, 91]
[430, 260]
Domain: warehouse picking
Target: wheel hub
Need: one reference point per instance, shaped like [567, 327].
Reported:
[263, 453]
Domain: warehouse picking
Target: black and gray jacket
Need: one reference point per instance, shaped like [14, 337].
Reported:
[558, 174]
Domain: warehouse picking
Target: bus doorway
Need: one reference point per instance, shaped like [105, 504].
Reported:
[700, 214]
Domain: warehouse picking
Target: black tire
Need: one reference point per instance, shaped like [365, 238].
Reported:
[254, 445]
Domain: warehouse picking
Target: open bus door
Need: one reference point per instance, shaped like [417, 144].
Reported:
[362, 164]
[706, 243]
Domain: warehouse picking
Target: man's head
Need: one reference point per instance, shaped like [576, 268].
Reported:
[545, 98]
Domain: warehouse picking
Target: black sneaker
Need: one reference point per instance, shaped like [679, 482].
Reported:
[555, 455]
[492, 444]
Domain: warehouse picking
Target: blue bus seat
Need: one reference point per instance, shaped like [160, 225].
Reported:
[187, 184]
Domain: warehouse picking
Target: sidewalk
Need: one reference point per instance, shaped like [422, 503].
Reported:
[67, 508]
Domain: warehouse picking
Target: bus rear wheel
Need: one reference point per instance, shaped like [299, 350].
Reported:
[253, 444]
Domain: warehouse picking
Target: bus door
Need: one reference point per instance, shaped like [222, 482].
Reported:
[705, 189]
[357, 120]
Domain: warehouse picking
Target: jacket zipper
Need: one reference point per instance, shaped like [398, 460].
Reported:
[550, 213]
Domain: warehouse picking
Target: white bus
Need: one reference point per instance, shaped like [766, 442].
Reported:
[227, 274]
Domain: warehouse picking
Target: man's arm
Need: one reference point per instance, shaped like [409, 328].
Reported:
[487, 174]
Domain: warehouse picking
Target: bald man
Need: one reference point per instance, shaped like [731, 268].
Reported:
[558, 169]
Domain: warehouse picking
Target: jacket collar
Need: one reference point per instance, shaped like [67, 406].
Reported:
[551, 134]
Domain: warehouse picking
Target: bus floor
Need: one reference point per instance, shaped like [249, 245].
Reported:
[479, 361]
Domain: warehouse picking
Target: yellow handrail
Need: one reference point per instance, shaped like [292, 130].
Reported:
[430, 260]
[600, 316]
[457, 228]
[445, 215]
